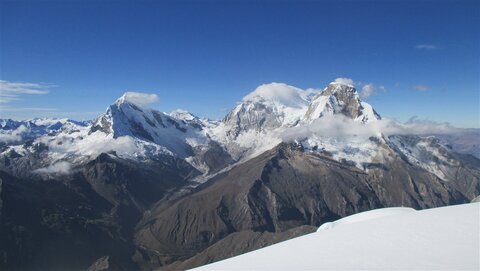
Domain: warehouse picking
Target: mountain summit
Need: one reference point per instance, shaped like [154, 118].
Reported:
[127, 118]
[268, 107]
[340, 98]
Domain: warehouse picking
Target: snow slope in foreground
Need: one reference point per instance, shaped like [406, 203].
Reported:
[390, 238]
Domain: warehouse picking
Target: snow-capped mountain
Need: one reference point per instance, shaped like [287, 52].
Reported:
[125, 118]
[268, 107]
[253, 125]
[152, 189]
[343, 99]
[266, 117]
[260, 120]
[126, 129]
[16, 132]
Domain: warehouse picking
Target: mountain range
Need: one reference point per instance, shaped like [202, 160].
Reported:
[140, 189]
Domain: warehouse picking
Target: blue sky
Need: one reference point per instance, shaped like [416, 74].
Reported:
[204, 56]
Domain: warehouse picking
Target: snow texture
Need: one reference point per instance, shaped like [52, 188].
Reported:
[446, 238]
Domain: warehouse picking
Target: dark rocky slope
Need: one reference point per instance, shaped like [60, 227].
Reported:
[285, 188]
[67, 222]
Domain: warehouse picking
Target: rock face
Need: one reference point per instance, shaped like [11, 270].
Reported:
[340, 99]
[105, 264]
[67, 222]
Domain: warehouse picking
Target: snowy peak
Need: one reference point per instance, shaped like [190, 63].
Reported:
[183, 115]
[341, 88]
[339, 98]
[268, 107]
[12, 131]
[278, 105]
[128, 115]
[127, 118]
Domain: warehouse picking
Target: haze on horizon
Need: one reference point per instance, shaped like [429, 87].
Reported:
[72, 59]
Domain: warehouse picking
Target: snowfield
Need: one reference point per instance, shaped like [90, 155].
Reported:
[446, 238]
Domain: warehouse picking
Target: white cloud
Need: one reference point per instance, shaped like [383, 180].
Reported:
[13, 136]
[345, 81]
[370, 89]
[92, 145]
[281, 93]
[367, 90]
[26, 109]
[6, 98]
[11, 91]
[7, 138]
[59, 167]
[426, 47]
[421, 88]
[341, 126]
[139, 98]
[25, 88]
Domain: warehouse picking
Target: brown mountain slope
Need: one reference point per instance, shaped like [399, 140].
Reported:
[285, 188]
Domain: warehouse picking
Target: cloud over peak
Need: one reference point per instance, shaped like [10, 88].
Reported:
[139, 98]
[280, 93]
[344, 81]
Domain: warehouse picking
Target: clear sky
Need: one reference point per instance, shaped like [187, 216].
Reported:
[74, 58]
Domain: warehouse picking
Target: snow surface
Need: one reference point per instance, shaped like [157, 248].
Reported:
[352, 149]
[96, 143]
[427, 153]
[446, 238]
[365, 216]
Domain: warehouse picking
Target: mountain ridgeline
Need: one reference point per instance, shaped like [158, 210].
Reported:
[140, 189]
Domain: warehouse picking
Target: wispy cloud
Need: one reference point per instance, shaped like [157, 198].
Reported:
[61, 167]
[364, 89]
[7, 98]
[367, 90]
[24, 88]
[341, 126]
[426, 47]
[11, 91]
[370, 89]
[421, 88]
[26, 109]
